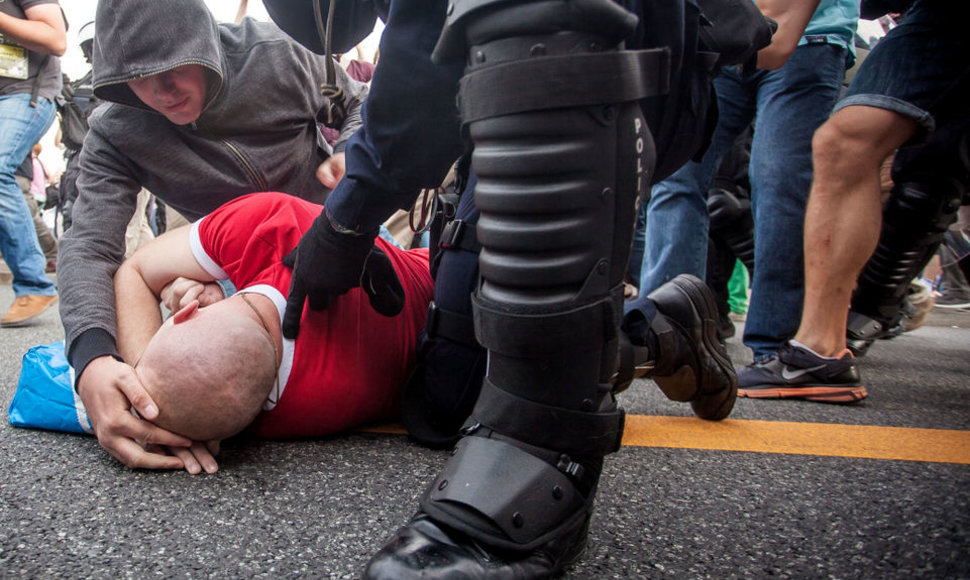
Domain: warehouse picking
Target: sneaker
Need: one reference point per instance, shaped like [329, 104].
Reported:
[798, 373]
[26, 308]
[952, 300]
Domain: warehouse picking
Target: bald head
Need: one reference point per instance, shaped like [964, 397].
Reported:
[209, 372]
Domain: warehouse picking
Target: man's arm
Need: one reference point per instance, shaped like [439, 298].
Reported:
[91, 250]
[89, 254]
[43, 30]
[139, 283]
[792, 17]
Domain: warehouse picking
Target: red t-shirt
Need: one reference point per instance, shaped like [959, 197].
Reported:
[348, 363]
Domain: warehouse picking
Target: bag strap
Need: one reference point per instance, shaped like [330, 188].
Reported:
[335, 113]
[36, 87]
[47, 176]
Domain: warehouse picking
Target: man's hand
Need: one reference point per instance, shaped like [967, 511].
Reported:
[326, 264]
[109, 389]
[181, 291]
[332, 170]
[197, 458]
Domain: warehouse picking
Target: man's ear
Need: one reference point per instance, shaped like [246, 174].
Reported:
[185, 312]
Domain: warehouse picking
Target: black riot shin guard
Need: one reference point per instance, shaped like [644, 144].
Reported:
[561, 153]
[914, 221]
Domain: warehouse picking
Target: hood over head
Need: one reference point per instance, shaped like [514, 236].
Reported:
[139, 38]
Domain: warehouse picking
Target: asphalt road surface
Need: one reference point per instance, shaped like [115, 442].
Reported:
[783, 489]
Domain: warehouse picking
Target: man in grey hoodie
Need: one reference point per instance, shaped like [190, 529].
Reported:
[198, 113]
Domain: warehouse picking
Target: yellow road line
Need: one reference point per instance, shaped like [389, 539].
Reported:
[825, 439]
[834, 440]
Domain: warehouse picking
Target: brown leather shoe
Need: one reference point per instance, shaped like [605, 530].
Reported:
[26, 308]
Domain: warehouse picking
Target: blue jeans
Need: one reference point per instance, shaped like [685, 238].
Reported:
[20, 127]
[790, 104]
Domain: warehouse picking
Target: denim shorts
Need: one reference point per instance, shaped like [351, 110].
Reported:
[926, 57]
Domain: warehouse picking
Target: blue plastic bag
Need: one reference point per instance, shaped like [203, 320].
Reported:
[45, 397]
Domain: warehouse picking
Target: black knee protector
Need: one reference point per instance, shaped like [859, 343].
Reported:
[914, 221]
[561, 153]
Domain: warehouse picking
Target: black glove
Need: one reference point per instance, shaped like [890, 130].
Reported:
[381, 284]
[734, 30]
[725, 208]
[327, 263]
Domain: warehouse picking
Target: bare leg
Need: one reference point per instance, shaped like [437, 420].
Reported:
[844, 216]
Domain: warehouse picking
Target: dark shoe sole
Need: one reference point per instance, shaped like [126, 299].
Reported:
[713, 400]
[818, 393]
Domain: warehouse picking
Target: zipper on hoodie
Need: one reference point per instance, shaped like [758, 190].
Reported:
[253, 174]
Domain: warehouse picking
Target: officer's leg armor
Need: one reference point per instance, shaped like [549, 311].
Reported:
[561, 152]
[930, 182]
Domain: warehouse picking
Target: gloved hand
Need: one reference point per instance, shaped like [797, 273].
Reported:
[725, 208]
[327, 263]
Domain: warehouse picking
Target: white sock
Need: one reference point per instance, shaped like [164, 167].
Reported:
[794, 342]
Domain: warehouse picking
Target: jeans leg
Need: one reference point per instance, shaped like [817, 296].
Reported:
[639, 243]
[792, 103]
[20, 127]
[48, 243]
[676, 231]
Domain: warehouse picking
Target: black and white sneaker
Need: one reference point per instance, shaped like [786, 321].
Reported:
[798, 373]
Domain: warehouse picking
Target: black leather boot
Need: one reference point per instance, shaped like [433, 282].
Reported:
[424, 547]
[691, 363]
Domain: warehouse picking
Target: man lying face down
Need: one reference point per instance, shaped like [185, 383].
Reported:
[217, 367]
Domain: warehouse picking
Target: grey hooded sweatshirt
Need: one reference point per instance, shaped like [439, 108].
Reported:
[257, 132]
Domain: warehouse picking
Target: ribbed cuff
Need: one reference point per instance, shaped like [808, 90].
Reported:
[88, 346]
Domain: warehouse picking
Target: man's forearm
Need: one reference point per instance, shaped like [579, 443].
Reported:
[138, 285]
[139, 316]
[409, 95]
[43, 30]
[86, 300]
[792, 17]
[92, 249]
